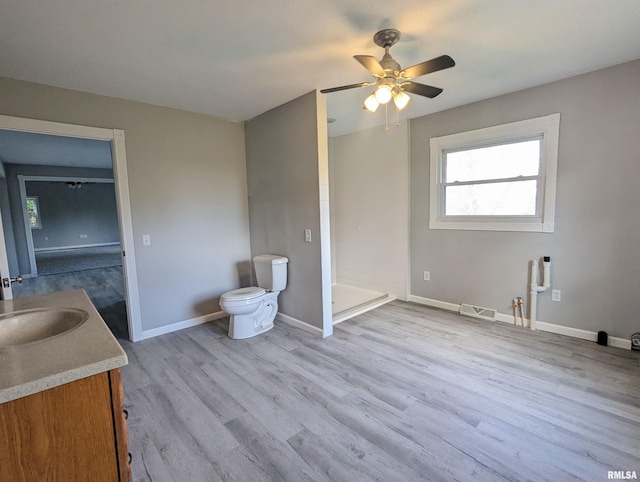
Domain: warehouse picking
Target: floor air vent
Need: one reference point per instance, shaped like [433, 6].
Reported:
[478, 311]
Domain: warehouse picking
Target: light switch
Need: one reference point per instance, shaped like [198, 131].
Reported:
[307, 235]
[146, 240]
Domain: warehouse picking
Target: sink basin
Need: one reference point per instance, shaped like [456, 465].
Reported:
[27, 326]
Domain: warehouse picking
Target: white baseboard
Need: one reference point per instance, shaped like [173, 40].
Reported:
[181, 325]
[290, 320]
[540, 325]
[434, 303]
[75, 246]
[348, 314]
[583, 334]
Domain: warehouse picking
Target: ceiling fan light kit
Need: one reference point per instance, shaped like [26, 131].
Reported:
[390, 80]
[400, 99]
[383, 94]
[371, 103]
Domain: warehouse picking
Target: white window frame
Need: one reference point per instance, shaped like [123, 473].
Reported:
[544, 222]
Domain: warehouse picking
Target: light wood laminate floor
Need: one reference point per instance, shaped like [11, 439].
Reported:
[401, 393]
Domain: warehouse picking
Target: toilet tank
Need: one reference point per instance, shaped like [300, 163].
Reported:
[271, 271]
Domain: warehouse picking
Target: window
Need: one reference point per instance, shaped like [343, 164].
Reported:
[33, 211]
[501, 178]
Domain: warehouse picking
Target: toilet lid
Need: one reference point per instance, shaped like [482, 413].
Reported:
[243, 294]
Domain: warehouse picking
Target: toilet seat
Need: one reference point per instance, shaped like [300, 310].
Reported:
[243, 294]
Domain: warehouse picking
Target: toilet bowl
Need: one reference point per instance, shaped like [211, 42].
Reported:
[252, 310]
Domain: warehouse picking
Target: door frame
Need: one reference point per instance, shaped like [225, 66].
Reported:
[123, 201]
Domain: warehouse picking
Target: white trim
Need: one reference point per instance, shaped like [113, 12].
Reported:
[289, 320]
[322, 141]
[54, 128]
[118, 155]
[33, 268]
[540, 325]
[75, 246]
[181, 325]
[358, 310]
[123, 201]
[548, 126]
[583, 334]
[444, 305]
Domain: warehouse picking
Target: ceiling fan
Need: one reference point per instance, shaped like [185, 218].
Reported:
[73, 184]
[393, 82]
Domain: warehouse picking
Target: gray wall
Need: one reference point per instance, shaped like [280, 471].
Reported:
[282, 174]
[595, 250]
[187, 181]
[67, 214]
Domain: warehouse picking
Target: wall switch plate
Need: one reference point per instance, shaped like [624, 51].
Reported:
[307, 235]
[427, 276]
[556, 295]
[146, 240]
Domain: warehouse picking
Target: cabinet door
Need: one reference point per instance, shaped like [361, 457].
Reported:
[120, 425]
[64, 433]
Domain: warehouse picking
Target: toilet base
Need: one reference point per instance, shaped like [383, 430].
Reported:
[257, 322]
[240, 332]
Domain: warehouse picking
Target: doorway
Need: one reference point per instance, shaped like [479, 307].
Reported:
[72, 232]
[104, 287]
[369, 200]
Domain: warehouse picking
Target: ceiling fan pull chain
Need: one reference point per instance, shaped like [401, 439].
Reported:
[386, 116]
[397, 116]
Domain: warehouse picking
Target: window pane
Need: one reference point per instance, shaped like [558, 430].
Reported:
[494, 162]
[33, 212]
[516, 198]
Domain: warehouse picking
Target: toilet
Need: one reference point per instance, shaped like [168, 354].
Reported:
[252, 310]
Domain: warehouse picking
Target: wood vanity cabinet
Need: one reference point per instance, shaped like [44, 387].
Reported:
[73, 432]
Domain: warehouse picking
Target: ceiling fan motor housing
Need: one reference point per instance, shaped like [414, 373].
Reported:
[388, 64]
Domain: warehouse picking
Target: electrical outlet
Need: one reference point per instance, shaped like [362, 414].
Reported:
[427, 276]
[307, 235]
[556, 295]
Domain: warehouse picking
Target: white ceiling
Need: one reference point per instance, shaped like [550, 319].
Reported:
[238, 58]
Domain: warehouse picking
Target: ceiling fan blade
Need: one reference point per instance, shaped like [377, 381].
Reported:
[371, 64]
[421, 89]
[433, 65]
[345, 87]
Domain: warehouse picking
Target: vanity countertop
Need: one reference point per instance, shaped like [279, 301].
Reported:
[86, 350]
